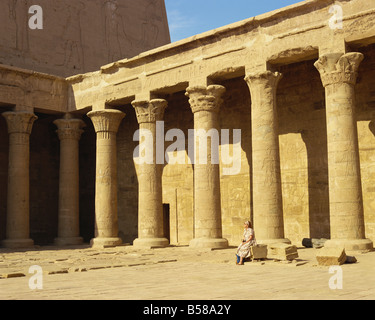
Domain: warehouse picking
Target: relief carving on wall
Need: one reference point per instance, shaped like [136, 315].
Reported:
[116, 37]
[72, 36]
[18, 13]
[150, 29]
[78, 36]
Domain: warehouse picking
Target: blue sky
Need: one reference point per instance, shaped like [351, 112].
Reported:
[190, 17]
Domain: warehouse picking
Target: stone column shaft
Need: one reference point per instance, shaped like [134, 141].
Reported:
[150, 198]
[69, 131]
[267, 194]
[205, 103]
[106, 123]
[339, 74]
[18, 224]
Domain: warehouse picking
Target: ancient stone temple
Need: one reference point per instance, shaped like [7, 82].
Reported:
[288, 95]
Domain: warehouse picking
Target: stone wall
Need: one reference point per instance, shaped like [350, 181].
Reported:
[127, 177]
[70, 43]
[44, 180]
[87, 162]
[178, 180]
[3, 175]
[236, 198]
[366, 132]
[303, 152]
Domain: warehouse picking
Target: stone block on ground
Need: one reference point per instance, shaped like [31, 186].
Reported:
[331, 256]
[283, 251]
[259, 251]
[351, 259]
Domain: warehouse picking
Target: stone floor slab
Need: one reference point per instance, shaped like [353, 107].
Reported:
[180, 273]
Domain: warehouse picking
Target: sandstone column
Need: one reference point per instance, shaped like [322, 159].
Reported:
[69, 132]
[205, 103]
[339, 74]
[267, 195]
[18, 225]
[106, 124]
[150, 201]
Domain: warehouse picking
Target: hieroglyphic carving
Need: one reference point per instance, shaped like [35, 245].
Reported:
[115, 31]
[18, 13]
[78, 36]
[150, 30]
[72, 37]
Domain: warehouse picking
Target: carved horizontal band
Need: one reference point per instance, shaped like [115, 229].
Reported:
[203, 98]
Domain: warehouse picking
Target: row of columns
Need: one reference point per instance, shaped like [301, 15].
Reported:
[338, 73]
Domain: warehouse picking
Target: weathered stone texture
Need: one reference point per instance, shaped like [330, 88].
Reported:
[259, 251]
[80, 36]
[307, 139]
[69, 132]
[4, 149]
[236, 200]
[282, 251]
[178, 180]
[365, 98]
[106, 124]
[44, 180]
[87, 170]
[127, 177]
[303, 152]
[331, 256]
[150, 201]
[206, 103]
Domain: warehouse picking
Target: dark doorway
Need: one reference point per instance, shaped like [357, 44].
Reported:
[166, 221]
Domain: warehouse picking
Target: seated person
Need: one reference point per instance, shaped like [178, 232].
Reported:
[243, 250]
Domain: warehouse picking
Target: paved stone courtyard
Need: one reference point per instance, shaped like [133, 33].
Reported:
[176, 273]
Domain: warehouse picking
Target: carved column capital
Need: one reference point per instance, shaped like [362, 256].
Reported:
[203, 98]
[106, 121]
[69, 128]
[149, 111]
[339, 68]
[20, 122]
[267, 79]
